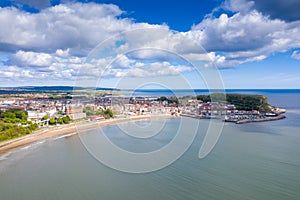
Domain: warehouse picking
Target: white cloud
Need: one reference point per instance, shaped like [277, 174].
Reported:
[151, 54]
[125, 67]
[62, 53]
[217, 60]
[53, 44]
[158, 43]
[34, 66]
[122, 61]
[76, 26]
[44, 60]
[238, 5]
[13, 72]
[236, 33]
[246, 37]
[34, 59]
[155, 69]
[296, 55]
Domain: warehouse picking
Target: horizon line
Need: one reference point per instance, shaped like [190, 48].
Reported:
[145, 89]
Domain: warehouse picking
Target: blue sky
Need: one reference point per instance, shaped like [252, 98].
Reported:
[252, 44]
[178, 15]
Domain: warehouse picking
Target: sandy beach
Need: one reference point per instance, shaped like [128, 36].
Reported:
[65, 130]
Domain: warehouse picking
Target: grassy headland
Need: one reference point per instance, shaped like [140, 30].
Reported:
[246, 102]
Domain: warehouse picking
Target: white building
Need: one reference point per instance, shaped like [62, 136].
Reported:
[35, 114]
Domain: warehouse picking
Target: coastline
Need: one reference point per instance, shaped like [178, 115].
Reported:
[72, 128]
[65, 130]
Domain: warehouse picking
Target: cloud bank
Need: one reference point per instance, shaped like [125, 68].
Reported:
[53, 43]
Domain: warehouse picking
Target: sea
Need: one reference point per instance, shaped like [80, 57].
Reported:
[258, 161]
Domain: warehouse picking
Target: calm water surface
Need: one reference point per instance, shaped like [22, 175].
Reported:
[250, 161]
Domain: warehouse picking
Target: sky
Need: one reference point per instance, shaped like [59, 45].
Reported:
[117, 43]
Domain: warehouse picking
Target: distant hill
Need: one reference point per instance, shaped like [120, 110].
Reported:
[23, 89]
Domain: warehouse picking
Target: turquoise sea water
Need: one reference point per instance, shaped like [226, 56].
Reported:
[250, 161]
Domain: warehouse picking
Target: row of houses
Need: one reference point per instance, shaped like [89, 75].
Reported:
[38, 108]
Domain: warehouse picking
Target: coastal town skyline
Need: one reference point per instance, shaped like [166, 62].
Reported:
[251, 45]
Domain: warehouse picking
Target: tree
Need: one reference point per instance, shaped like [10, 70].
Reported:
[10, 131]
[9, 114]
[14, 115]
[108, 114]
[10, 126]
[66, 119]
[45, 117]
[60, 121]
[33, 127]
[163, 98]
[204, 98]
[52, 121]
[172, 100]
[169, 100]
[23, 115]
[90, 111]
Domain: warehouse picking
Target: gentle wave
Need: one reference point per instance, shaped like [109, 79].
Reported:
[35, 144]
[10, 158]
[31, 146]
[4, 156]
[18, 150]
[64, 136]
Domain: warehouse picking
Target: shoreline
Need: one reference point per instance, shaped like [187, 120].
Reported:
[65, 130]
